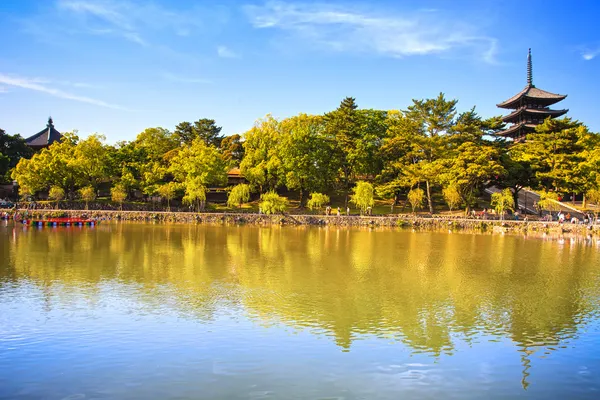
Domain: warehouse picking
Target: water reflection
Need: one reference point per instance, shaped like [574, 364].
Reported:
[431, 292]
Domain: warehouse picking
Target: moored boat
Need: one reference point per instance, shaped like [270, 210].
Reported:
[61, 222]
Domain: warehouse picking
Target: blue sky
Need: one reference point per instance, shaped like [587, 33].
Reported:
[117, 67]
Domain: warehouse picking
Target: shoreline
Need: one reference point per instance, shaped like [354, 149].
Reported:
[429, 223]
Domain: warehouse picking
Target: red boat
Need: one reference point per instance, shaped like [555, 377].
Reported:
[61, 222]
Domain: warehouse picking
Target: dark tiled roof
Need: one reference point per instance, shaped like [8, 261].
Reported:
[517, 129]
[44, 137]
[532, 92]
[536, 111]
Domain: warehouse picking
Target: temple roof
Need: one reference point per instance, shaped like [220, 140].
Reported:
[45, 137]
[516, 129]
[531, 92]
[534, 111]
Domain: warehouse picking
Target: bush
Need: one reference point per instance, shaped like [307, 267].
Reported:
[271, 203]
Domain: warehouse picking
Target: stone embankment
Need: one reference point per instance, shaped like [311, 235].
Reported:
[402, 221]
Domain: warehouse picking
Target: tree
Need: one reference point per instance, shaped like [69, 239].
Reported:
[167, 191]
[90, 161]
[118, 194]
[554, 152]
[262, 165]
[12, 149]
[271, 203]
[204, 129]
[548, 201]
[238, 195]
[428, 123]
[87, 194]
[317, 201]
[305, 154]
[56, 193]
[233, 150]
[416, 197]
[199, 162]
[502, 202]
[452, 196]
[593, 196]
[195, 193]
[362, 196]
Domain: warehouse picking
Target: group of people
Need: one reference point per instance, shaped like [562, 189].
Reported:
[329, 211]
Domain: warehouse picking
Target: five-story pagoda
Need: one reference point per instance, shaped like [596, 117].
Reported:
[531, 108]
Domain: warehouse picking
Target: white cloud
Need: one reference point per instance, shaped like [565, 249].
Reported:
[588, 55]
[34, 84]
[224, 52]
[344, 29]
[181, 79]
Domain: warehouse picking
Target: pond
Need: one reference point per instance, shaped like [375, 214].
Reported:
[143, 311]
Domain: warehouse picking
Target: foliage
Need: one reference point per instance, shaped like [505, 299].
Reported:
[452, 196]
[233, 149]
[503, 201]
[87, 193]
[548, 201]
[317, 201]
[118, 194]
[362, 196]
[56, 193]
[272, 203]
[12, 149]
[416, 198]
[167, 191]
[204, 129]
[199, 162]
[195, 193]
[238, 195]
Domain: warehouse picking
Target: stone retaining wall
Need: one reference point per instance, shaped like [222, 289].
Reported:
[402, 221]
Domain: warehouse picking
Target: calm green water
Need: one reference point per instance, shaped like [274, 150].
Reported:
[197, 312]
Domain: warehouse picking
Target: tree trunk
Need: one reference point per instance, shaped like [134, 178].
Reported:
[429, 202]
[301, 198]
[573, 198]
[584, 202]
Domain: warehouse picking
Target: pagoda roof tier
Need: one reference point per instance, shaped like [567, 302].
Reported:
[530, 92]
[517, 130]
[45, 137]
[538, 112]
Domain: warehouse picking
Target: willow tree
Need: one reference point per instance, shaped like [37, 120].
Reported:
[362, 196]
[238, 195]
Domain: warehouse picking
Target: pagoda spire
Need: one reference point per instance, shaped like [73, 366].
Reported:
[529, 70]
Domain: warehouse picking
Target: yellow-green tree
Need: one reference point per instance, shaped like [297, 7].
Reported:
[195, 193]
[317, 201]
[167, 191]
[362, 196]
[416, 198]
[87, 194]
[118, 194]
[272, 203]
[56, 193]
[452, 196]
[238, 195]
[503, 201]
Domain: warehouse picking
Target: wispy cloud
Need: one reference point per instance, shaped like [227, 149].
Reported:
[346, 29]
[225, 52]
[181, 79]
[35, 85]
[589, 54]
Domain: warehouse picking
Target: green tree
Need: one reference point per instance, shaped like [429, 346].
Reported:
[168, 191]
[416, 198]
[204, 129]
[548, 201]
[593, 196]
[503, 201]
[305, 155]
[262, 165]
[195, 193]
[317, 201]
[272, 203]
[362, 196]
[118, 194]
[233, 150]
[87, 193]
[56, 193]
[199, 163]
[452, 196]
[238, 195]
[90, 161]
[428, 124]
[12, 149]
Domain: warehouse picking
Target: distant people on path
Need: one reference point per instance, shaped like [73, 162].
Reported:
[347, 210]
[339, 212]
